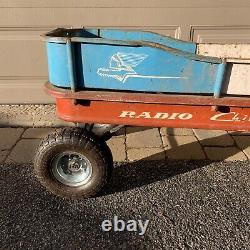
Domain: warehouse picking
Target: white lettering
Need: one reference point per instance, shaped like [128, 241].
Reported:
[161, 116]
[119, 225]
[158, 115]
[245, 117]
[116, 224]
[185, 116]
[230, 117]
[173, 116]
[144, 115]
[106, 225]
[218, 117]
[130, 114]
[236, 118]
[131, 225]
[143, 227]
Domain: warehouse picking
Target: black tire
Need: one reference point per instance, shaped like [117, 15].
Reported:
[80, 142]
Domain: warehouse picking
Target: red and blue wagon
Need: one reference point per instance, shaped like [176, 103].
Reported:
[103, 79]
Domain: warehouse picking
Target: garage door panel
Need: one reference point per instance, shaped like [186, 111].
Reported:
[123, 4]
[166, 30]
[23, 63]
[23, 90]
[220, 34]
[125, 17]
[22, 52]
[89, 17]
[23, 58]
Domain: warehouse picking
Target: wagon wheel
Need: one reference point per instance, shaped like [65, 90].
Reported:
[73, 163]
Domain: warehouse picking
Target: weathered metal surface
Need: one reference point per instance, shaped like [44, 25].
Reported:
[71, 65]
[238, 79]
[116, 60]
[147, 98]
[109, 35]
[153, 115]
[237, 56]
[219, 79]
[130, 35]
[236, 52]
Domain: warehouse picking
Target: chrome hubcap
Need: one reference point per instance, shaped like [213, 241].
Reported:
[71, 168]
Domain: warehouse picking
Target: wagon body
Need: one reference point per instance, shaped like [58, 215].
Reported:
[130, 61]
[111, 76]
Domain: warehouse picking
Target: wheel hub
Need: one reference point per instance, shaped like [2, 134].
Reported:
[75, 166]
[71, 168]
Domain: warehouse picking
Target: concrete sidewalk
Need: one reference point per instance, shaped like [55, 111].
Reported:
[138, 143]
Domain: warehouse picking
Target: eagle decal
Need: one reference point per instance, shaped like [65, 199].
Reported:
[122, 66]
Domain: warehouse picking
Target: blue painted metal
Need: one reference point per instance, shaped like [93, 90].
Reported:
[219, 79]
[156, 64]
[145, 69]
[121, 37]
[58, 64]
[71, 65]
[147, 36]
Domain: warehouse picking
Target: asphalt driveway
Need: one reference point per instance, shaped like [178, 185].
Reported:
[189, 205]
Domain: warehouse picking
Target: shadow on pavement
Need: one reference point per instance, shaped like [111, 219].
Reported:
[181, 207]
[32, 218]
[135, 174]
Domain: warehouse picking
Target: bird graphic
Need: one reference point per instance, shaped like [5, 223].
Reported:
[122, 66]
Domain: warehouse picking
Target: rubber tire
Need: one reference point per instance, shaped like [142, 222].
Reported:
[83, 142]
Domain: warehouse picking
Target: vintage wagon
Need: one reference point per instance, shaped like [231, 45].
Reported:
[103, 79]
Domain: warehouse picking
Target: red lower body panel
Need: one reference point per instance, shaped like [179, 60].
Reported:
[154, 115]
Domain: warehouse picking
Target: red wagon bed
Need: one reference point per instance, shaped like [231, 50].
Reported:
[154, 110]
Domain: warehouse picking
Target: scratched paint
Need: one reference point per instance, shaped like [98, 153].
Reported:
[148, 110]
[109, 63]
[154, 115]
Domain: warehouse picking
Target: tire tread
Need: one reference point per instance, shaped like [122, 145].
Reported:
[76, 137]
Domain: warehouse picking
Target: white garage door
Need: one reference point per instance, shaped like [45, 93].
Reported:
[23, 68]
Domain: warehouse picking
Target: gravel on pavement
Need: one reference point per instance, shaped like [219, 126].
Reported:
[189, 205]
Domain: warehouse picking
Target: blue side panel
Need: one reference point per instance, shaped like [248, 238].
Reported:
[145, 69]
[148, 37]
[58, 64]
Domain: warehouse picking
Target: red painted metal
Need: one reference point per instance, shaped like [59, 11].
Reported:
[154, 110]
[153, 115]
[147, 97]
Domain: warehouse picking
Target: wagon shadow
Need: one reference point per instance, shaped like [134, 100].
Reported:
[160, 166]
[129, 130]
